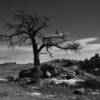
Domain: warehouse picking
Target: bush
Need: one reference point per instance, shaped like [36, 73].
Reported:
[29, 76]
[10, 78]
[25, 73]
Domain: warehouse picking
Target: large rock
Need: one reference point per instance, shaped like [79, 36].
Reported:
[49, 71]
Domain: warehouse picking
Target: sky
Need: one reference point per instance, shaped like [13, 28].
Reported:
[78, 18]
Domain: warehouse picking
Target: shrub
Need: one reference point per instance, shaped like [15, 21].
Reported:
[10, 78]
[25, 73]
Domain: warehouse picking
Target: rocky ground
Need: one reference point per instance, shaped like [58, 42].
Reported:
[50, 91]
[73, 86]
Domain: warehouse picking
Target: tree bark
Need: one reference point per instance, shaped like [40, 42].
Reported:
[35, 53]
[36, 59]
[36, 71]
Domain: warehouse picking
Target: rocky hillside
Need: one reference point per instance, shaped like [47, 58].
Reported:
[65, 68]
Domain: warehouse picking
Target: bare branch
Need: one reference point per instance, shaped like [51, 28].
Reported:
[53, 40]
[41, 25]
[69, 46]
[48, 51]
[29, 27]
[19, 42]
[12, 35]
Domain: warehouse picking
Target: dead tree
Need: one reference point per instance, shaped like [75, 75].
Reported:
[28, 28]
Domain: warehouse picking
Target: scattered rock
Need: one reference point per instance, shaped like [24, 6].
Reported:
[86, 91]
[40, 95]
[79, 91]
[95, 93]
[24, 81]
[73, 98]
[70, 81]
[33, 93]
[3, 80]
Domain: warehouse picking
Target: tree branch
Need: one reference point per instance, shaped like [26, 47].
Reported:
[19, 42]
[12, 35]
[54, 40]
[71, 46]
[40, 28]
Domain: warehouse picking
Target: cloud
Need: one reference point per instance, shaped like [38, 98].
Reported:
[88, 50]
[25, 55]
[85, 41]
[88, 45]
[91, 47]
[3, 58]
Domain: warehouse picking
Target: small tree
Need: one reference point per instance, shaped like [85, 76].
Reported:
[28, 28]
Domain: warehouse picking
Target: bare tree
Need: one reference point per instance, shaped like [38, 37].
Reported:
[28, 28]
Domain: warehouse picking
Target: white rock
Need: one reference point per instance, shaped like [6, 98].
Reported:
[33, 94]
[95, 93]
[3, 80]
[69, 81]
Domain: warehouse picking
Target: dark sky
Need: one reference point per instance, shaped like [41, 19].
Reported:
[79, 18]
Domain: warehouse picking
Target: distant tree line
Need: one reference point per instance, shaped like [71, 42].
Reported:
[91, 65]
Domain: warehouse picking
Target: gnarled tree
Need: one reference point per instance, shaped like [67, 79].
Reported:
[29, 28]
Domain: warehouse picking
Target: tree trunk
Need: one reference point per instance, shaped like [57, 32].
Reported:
[36, 59]
[36, 72]
[35, 53]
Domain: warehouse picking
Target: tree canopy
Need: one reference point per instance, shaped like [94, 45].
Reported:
[27, 29]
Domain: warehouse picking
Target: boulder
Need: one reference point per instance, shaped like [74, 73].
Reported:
[49, 71]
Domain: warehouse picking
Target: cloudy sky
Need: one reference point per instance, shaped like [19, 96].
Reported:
[78, 18]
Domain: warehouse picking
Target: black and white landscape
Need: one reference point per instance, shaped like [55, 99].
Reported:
[49, 50]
